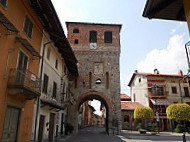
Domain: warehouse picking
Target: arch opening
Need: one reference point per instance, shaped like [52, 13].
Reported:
[87, 117]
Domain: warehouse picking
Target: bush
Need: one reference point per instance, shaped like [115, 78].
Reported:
[180, 128]
[144, 113]
[178, 112]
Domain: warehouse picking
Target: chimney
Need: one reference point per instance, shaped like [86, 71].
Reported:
[135, 71]
[180, 72]
[156, 71]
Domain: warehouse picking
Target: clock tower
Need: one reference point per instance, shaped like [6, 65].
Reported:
[97, 49]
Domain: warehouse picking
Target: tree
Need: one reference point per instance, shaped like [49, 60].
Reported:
[144, 113]
[178, 112]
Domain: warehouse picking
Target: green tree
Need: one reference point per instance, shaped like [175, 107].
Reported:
[144, 113]
[178, 112]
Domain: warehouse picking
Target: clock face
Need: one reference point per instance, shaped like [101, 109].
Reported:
[93, 45]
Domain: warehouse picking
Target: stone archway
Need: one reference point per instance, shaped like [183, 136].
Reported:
[100, 97]
[110, 116]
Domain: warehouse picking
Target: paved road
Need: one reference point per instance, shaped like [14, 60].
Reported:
[134, 136]
[93, 134]
[98, 134]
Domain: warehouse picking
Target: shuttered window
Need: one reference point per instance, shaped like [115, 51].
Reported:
[45, 84]
[28, 26]
[186, 90]
[54, 89]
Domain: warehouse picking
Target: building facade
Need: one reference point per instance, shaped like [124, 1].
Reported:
[97, 48]
[159, 91]
[127, 112]
[20, 42]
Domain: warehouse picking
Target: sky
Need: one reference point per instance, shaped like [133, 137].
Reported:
[145, 44]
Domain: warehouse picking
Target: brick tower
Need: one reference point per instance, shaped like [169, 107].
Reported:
[97, 48]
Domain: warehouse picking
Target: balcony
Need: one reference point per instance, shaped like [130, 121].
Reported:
[48, 100]
[24, 82]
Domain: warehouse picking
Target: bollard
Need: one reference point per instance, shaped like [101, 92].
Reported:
[184, 138]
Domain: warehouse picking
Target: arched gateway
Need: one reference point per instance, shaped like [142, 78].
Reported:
[97, 48]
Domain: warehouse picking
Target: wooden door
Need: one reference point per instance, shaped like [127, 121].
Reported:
[11, 124]
[51, 126]
[41, 128]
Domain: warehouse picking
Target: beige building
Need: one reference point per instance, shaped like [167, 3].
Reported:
[158, 91]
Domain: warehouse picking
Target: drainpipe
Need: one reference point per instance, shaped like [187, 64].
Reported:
[38, 98]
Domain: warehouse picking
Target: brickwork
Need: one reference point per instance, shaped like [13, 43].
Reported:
[99, 74]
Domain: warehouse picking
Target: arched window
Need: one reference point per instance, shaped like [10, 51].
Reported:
[98, 81]
[76, 31]
[93, 36]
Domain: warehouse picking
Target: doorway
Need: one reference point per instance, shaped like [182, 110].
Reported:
[41, 128]
[11, 124]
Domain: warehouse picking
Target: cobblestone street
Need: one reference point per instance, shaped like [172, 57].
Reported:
[93, 134]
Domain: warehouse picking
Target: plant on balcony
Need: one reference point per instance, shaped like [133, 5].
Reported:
[142, 114]
[179, 113]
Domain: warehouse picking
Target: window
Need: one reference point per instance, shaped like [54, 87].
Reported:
[93, 36]
[28, 26]
[139, 80]
[56, 63]
[76, 41]
[186, 90]
[134, 97]
[22, 61]
[107, 80]
[3, 3]
[90, 80]
[98, 81]
[54, 89]
[174, 90]
[108, 37]
[76, 31]
[45, 84]
[126, 118]
[160, 91]
[153, 90]
[48, 53]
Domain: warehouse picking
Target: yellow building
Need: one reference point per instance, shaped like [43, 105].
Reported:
[22, 26]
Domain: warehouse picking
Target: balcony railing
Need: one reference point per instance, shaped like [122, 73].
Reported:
[50, 99]
[24, 82]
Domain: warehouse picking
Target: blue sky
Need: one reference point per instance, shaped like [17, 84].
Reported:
[145, 44]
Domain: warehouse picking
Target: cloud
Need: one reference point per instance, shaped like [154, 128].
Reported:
[96, 104]
[173, 31]
[168, 60]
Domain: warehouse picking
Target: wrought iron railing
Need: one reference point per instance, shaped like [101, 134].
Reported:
[19, 78]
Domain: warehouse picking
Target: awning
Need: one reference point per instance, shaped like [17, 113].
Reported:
[165, 9]
[160, 102]
[28, 46]
[7, 23]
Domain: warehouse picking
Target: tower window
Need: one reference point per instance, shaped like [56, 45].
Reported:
[93, 36]
[76, 31]
[90, 80]
[108, 37]
[76, 41]
[107, 80]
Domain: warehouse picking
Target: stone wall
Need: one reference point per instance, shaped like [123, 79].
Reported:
[100, 62]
